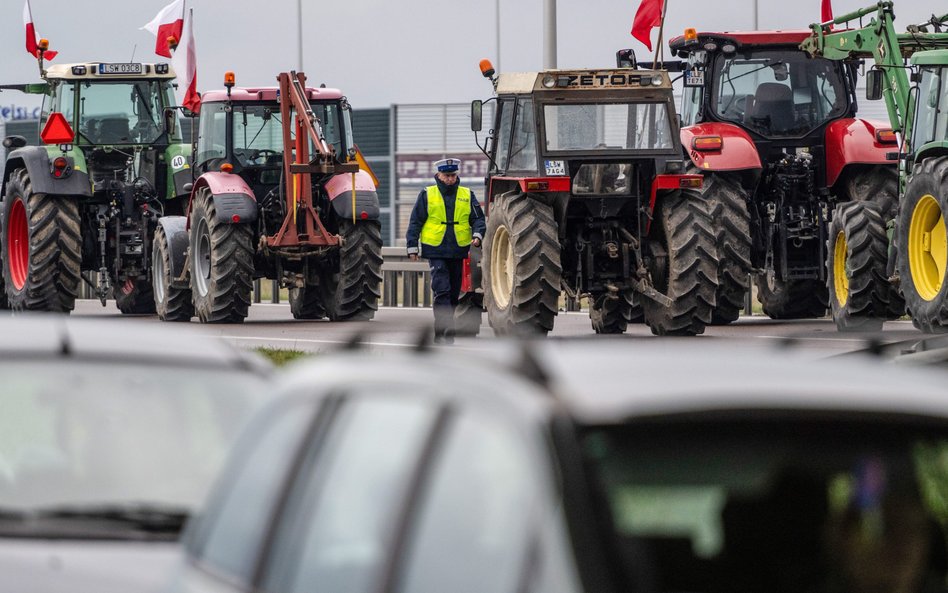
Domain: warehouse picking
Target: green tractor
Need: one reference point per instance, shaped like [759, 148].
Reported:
[90, 199]
[875, 259]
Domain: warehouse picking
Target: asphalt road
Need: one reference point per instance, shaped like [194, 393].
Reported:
[272, 325]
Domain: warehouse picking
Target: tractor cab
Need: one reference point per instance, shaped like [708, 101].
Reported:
[242, 129]
[602, 133]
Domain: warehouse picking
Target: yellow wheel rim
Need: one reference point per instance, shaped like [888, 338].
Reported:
[501, 267]
[927, 247]
[840, 279]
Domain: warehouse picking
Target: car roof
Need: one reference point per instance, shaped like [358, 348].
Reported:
[605, 381]
[37, 336]
[741, 39]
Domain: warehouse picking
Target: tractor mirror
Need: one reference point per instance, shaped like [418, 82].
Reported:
[170, 120]
[477, 107]
[874, 81]
[14, 142]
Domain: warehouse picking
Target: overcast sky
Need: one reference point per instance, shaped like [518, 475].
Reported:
[381, 52]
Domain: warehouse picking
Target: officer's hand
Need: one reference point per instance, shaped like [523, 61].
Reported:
[476, 242]
[413, 257]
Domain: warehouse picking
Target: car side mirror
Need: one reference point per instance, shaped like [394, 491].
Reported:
[477, 108]
[169, 121]
[14, 142]
[874, 80]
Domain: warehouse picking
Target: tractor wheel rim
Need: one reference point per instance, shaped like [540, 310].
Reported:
[927, 248]
[18, 244]
[158, 275]
[202, 259]
[840, 279]
[501, 267]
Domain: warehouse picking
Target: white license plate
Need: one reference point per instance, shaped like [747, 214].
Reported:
[555, 168]
[120, 68]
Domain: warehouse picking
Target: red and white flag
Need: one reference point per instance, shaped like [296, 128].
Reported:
[168, 23]
[826, 11]
[184, 62]
[32, 47]
[647, 17]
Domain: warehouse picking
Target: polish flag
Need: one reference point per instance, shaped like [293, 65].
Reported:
[168, 23]
[32, 47]
[647, 17]
[184, 62]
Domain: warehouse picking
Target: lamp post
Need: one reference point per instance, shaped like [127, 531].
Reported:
[549, 35]
[299, 34]
[497, 33]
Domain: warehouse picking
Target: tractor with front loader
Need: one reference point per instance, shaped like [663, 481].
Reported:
[587, 195]
[280, 193]
[90, 198]
[867, 270]
[775, 135]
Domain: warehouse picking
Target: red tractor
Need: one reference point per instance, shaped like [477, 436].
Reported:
[281, 195]
[775, 134]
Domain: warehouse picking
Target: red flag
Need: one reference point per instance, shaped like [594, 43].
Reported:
[32, 47]
[168, 23]
[826, 12]
[647, 17]
[184, 63]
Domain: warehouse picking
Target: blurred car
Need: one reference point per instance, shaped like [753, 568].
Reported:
[110, 436]
[606, 466]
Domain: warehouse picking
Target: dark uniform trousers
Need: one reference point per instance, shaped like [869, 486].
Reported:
[446, 286]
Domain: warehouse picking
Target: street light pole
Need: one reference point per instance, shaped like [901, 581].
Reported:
[549, 36]
[756, 22]
[497, 33]
[299, 34]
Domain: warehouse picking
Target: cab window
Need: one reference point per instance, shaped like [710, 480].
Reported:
[502, 134]
[523, 149]
[927, 116]
[690, 105]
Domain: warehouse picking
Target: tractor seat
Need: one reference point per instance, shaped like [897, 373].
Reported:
[772, 108]
[114, 129]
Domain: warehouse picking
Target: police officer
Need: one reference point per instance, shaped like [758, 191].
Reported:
[446, 221]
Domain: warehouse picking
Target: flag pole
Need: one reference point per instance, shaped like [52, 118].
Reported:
[661, 30]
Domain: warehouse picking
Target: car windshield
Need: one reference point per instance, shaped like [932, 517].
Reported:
[127, 112]
[782, 506]
[607, 127]
[778, 93]
[108, 438]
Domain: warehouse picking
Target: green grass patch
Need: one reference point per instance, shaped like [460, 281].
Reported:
[280, 357]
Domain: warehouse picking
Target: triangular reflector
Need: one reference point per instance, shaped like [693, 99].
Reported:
[57, 130]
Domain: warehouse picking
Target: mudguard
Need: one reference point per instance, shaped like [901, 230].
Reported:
[176, 230]
[853, 141]
[737, 153]
[366, 199]
[232, 196]
[36, 161]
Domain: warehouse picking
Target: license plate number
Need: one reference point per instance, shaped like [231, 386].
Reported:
[555, 168]
[120, 68]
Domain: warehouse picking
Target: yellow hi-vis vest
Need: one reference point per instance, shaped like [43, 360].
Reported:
[433, 231]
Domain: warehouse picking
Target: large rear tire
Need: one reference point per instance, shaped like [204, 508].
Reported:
[857, 253]
[683, 263]
[793, 299]
[521, 267]
[922, 242]
[728, 203]
[171, 304]
[221, 264]
[876, 184]
[468, 315]
[352, 288]
[305, 301]
[612, 314]
[135, 297]
[41, 248]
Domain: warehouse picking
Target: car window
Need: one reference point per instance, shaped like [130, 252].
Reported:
[776, 505]
[336, 532]
[472, 527]
[503, 133]
[523, 150]
[230, 536]
[83, 435]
